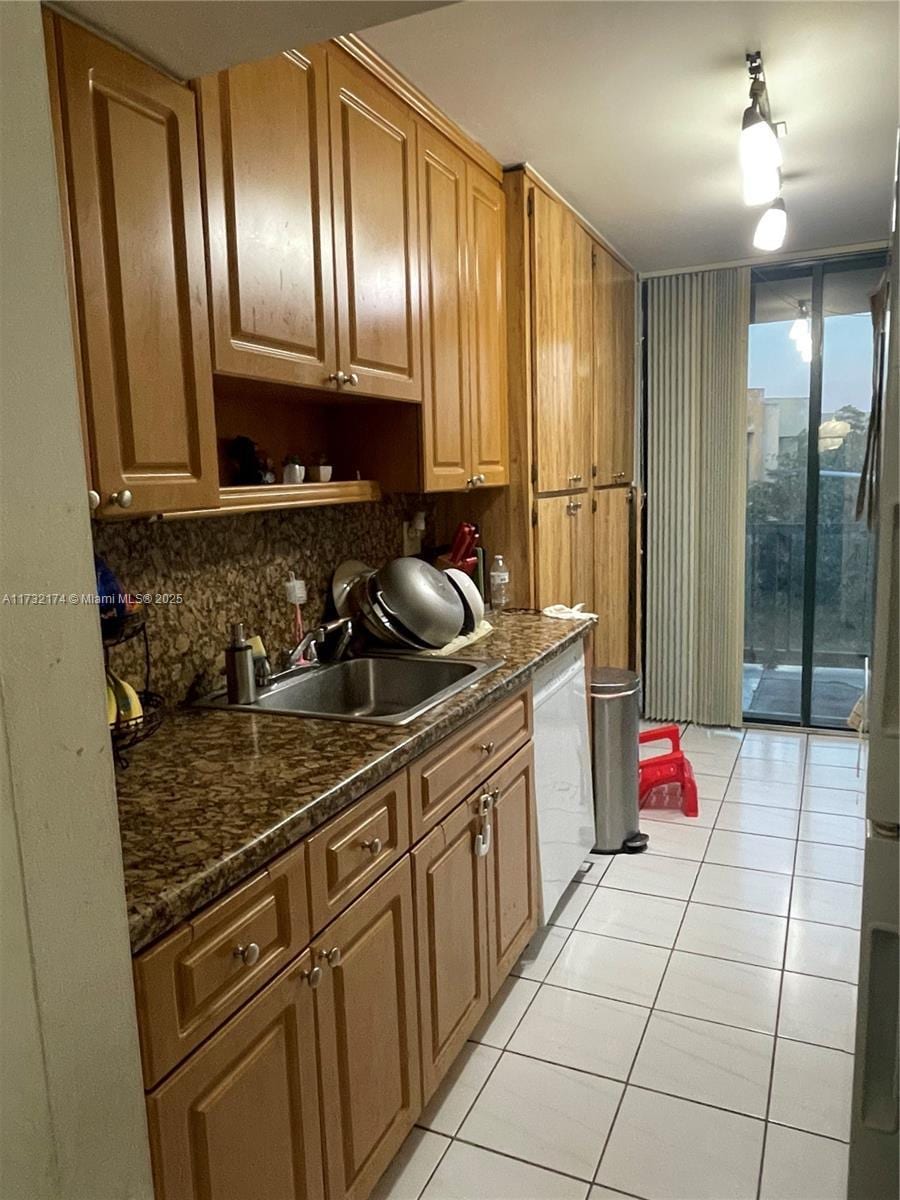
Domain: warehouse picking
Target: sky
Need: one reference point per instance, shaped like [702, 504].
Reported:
[775, 363]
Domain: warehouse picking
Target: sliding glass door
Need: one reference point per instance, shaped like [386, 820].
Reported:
[809, 562]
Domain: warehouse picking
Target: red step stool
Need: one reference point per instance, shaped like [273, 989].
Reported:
[667, 771]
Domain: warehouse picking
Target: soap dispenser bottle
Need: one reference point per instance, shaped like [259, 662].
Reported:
[239, 673]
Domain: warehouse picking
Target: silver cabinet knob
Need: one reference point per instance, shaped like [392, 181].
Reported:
[373, 845]
[618, 474]
[575, 478]
[124, 498]
[313, 977]
[249, 954]
[332, 956]
[93, 500]
[479, 480]
[337, 377]
[352, 379]
[573, 507]
[486, 747]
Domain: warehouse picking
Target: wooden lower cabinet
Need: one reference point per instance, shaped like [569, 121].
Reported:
[450, 885]
[512, 865]
[367, 1028]
[240, 1119]
[308, 1091]
[613, 576]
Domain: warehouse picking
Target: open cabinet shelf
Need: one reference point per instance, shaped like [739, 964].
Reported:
[266, 497]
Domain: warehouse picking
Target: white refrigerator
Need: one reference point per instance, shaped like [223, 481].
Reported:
[874, 1147]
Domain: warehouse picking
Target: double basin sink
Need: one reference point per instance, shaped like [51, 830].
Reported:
[382, 690]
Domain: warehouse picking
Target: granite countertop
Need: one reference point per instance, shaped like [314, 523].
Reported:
[215, 795]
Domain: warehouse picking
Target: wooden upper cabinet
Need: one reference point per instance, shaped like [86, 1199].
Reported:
[583, 400]
[368, 1034]
[376, 243]
[489, 442]
[268, 207]
[442, 237]
[240, 1119]
[561, 449]
[614, 349]
[133, 187]
[613, 576]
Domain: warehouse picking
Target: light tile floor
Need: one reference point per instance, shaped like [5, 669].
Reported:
[683, 1027]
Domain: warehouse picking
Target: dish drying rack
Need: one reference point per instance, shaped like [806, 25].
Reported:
[124, 733]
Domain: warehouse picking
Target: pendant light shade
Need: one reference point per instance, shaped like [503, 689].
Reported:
[772, 227]
[760, 158]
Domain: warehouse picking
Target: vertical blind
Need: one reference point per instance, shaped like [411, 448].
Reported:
[696, 495]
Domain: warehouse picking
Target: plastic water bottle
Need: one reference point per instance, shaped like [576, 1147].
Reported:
[499, 583]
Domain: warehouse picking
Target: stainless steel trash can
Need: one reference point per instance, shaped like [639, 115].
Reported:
[615, 701]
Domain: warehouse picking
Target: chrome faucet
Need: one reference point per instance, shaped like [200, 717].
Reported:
[307, 648]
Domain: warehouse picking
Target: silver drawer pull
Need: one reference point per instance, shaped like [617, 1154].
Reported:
[373, 845]
[313, 977]
[486, 747]
[332, 956]
[249, 954]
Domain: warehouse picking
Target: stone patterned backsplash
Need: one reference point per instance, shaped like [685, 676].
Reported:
[233, 569]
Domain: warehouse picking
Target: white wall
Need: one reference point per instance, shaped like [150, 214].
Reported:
[71, 1104]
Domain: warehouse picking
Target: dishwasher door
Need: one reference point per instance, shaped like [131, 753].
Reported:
[562, 768]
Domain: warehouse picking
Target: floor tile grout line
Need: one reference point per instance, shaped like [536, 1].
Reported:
[762, 1158]
[434, 1169]
[649, 1018]
[526, 1161]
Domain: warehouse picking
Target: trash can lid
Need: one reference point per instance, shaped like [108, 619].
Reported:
[608, 682]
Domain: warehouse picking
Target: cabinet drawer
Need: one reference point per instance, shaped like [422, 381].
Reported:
[351, 851]
[199, 975]
[443, 776]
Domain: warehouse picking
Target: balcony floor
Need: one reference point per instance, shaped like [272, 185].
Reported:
[774, 692]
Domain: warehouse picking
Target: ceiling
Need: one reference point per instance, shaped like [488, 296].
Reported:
[189, 38]
[632, 109]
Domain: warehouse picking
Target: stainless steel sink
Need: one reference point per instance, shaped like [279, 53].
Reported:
[382, 690]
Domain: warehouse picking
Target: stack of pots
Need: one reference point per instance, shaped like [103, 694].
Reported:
[408, 603]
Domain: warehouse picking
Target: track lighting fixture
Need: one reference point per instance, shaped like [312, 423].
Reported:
[760, 156]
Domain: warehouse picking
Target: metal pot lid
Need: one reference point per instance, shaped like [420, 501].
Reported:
[389, 625]
[607, 682]
[422, 599]
[345, 575]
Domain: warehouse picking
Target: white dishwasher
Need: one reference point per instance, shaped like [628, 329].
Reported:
[562, 769]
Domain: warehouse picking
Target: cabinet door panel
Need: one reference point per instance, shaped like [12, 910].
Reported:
[442, 230]
[140, 280]
[583, 401]
[368, 1034]
[240, 1119]
[373, 138]
[612, 576]
[614, 346]
[268, 202]
[512, 865]
[489, 445]
[451, 916]
[582, 533]
[553, 551]
[556, 439]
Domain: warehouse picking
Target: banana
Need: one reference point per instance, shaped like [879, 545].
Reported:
[128, 706]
